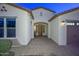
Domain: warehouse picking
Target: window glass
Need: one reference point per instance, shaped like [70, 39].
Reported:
[70, 23]
[10, 22]
[1, 27]
[11, 33]
[77, 23]
[1, 22]
[10, 27]
[1, 32]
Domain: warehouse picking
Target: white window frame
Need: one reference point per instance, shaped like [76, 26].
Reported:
[5, 30]
[77, 23]
[70, 23]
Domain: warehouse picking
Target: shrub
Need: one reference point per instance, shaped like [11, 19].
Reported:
[5, 46]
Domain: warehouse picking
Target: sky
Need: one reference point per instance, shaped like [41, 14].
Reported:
[57, 7]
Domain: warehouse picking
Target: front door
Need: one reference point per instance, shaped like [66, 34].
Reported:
[40, 29]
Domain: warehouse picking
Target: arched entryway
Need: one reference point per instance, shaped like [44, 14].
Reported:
[40, 29]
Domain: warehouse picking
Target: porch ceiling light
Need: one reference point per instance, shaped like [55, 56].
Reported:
[62, 23]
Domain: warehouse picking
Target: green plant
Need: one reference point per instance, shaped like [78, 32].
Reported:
[5, 46]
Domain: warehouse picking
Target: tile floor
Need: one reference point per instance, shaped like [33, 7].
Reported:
[43, 46]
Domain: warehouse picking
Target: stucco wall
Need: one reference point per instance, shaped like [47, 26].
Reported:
[58, 30]
[23, 23]
[54, 30]
[46, 15]
[63, 30]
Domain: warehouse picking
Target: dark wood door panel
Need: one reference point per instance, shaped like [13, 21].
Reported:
[72, 34]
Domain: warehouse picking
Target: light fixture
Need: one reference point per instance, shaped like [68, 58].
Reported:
[34, 28]
[62, 23]
[41, 13]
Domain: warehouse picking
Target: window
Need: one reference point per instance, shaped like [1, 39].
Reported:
[1, 27]
[77, 23]
[70, 23]
[7, 27]
[11, 27]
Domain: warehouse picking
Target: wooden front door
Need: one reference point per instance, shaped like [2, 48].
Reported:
[40, 29]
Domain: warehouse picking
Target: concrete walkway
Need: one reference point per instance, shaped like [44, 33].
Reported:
[43, 46]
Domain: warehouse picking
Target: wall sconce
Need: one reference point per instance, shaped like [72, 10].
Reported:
[3, 9]
[62, 23]
[41, 14]
[34, 28]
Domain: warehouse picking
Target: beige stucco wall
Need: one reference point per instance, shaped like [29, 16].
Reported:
[54, 30]
[46, 14]
[58, 31]
[23, 23]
